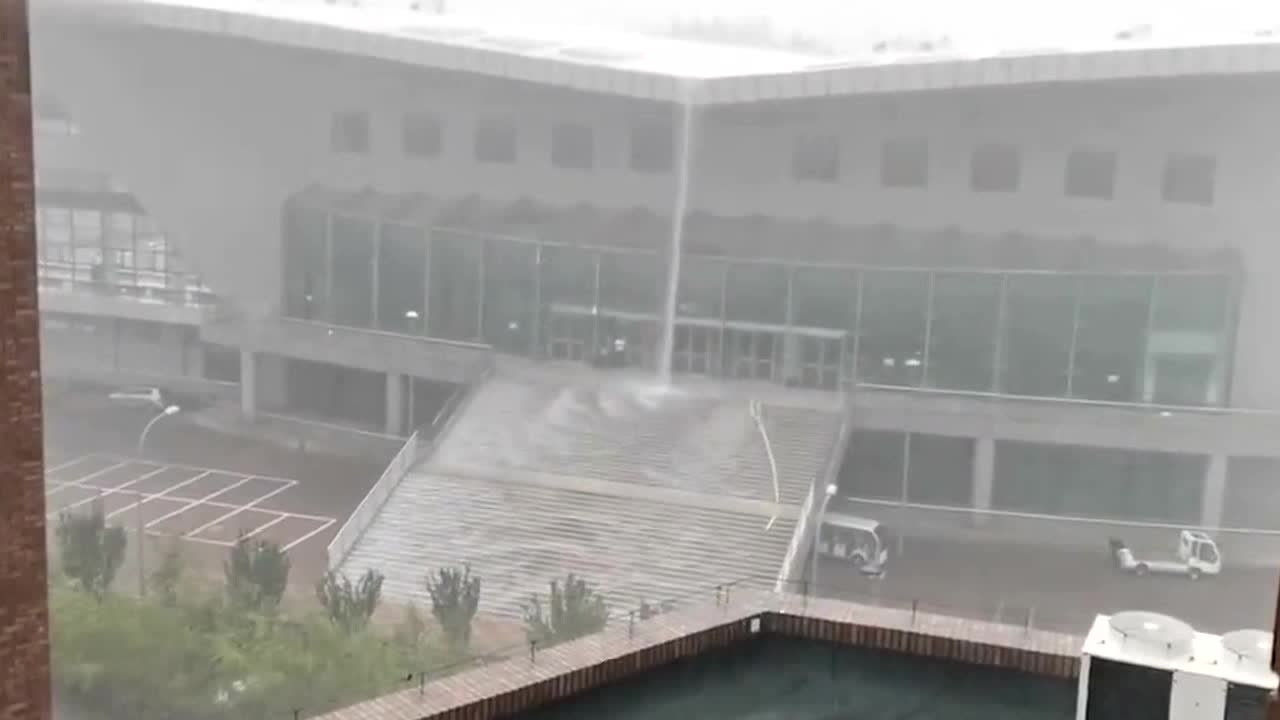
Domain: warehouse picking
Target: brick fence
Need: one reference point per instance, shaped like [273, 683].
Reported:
[24, 622]
[511, 686]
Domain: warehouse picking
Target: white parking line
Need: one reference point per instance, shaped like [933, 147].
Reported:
[69, 463]
[195, 503]
[148, 497]
[77, 482]
[111, 491]
[309, 535]
[264, 526]
[249, 506]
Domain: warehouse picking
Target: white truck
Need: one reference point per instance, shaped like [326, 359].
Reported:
[1197, 555]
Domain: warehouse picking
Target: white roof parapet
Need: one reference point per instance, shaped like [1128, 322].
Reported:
[665, 69]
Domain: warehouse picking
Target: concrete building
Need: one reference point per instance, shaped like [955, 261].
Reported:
[1044, 276]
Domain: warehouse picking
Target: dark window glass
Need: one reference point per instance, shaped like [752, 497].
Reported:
[1094, 482]
[895, 307]
[1111, 338]
[573, 146]
[423, 135]
[402, 279]
[1039, 316]
[1091, 174]
[350, 132]
[757, 293]
[353, 249]
[995, 167]
[904, 163]
[455, 286]
[1189, 179]
[510, 272]
[652, 147]
[962, 337]
[816, 158]
[702, 287]
[495, 142]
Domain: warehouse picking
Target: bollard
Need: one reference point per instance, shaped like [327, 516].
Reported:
[533, 651]
[915, 606]
[726, 596]
[1031, 614]
[719, 592]
[631, 625]
[422, 684]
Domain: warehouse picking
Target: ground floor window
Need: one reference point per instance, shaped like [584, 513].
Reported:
[1098, 482]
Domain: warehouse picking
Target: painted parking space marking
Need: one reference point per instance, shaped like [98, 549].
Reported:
[196, 504]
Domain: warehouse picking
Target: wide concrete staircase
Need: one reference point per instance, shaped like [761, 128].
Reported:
[632, 434]
[517, 537]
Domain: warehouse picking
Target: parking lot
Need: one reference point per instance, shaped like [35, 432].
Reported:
[202, 505]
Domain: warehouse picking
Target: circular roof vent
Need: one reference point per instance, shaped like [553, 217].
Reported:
[1252, 645]
[1158, 634]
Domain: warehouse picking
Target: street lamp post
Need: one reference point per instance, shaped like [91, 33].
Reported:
[142, 526]
[166, 412]
[829, 492]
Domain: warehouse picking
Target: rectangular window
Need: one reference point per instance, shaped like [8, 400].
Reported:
[495, 142]
[652, 147]
[350, 132]
[423, 135]
[904, 163]
[573, 146]
[1189, 179]
[816, 158]
[1091, 174]
[995, 167]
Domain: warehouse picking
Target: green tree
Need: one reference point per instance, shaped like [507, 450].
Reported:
[455, 597]
[166, 578]
[349, 606]
[91, 553]
[572, 611]
[257, 574]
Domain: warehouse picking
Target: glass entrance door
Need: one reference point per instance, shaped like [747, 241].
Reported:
[821, 359]
[752, 354]
[697, 349]
[569, 335]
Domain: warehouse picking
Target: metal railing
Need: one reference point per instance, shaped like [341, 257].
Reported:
[420, 446]
[994, 397]
[367, 510]
[632, 626]
[794, 563]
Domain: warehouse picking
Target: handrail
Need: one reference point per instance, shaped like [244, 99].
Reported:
[362, 517]
[414, 450]
[349, 329]
[804, 532]
[1081, 402]
[1104, 522]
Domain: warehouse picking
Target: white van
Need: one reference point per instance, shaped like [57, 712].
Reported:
[857, 540]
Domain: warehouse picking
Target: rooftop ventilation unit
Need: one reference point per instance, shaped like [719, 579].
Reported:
[1147, 666]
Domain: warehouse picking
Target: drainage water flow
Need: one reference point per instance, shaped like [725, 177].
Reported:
[667, 348]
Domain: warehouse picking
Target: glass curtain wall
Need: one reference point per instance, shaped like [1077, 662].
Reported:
[113, 248]
[1131, 338]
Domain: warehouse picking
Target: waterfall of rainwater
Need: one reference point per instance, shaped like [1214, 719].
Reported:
[683, 160]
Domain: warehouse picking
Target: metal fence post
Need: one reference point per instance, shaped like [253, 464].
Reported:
[631, 625]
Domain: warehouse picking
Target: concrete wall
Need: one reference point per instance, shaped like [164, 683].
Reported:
[213, 135]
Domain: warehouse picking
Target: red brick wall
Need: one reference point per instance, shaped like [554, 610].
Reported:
[24, 634]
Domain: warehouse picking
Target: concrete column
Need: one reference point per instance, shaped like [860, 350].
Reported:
[984, 463]
[395, 403]
[1215, 490]
[248, 384]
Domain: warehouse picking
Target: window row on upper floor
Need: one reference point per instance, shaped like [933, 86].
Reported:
[1187, 178]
